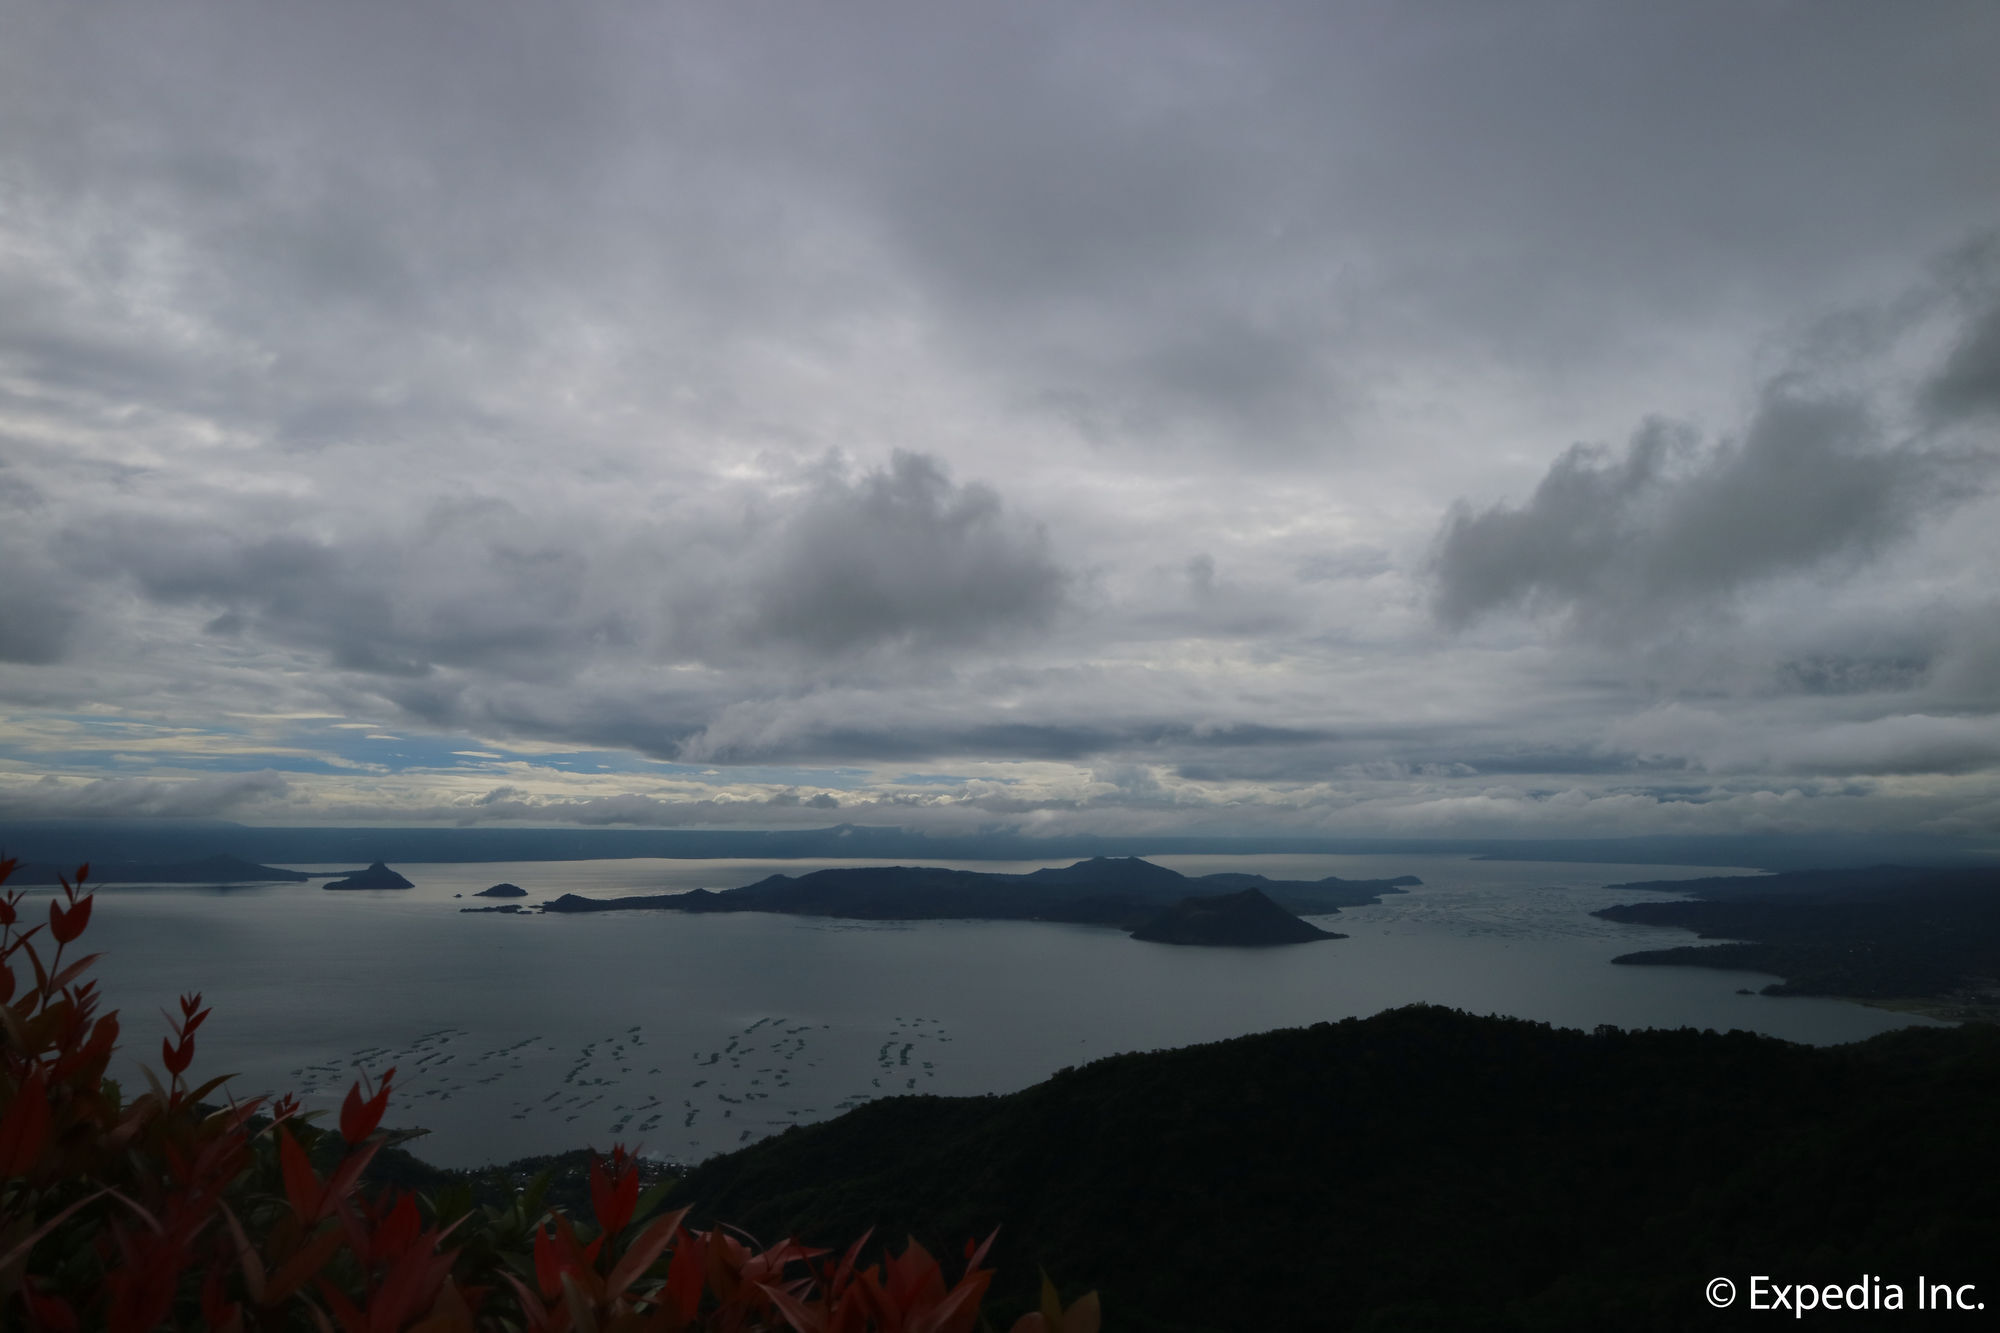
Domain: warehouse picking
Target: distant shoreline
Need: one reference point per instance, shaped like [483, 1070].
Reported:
[65, 842]
[1908, 939]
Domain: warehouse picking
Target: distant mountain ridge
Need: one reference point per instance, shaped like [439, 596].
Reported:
[59, 841]
[208, 870]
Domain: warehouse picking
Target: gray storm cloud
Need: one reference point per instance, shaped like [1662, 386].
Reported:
[1969, 383]
[1672, 523]
[1967, 386]
[902, 556]
[37, 615]
[899, 556]
[124, 798]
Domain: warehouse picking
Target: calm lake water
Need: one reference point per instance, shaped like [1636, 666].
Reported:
[693, 1034]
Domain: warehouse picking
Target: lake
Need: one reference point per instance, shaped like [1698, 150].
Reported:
[691, 1035]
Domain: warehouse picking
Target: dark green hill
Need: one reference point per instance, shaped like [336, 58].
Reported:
[1130, 874]
[1842, 884]
[1926, 938]
[1424, 1169]
[1242, 919]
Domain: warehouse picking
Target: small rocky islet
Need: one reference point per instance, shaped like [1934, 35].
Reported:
[376, 876]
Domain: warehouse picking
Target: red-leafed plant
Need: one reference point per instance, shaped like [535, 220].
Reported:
[167, 1212]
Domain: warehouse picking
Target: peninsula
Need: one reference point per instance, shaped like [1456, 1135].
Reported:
[1905, 937]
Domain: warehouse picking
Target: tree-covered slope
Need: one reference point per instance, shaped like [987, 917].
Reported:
[1903, 933]
[1426, 1169]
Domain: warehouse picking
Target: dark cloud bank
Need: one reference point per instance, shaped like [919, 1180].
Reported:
[1672, 523]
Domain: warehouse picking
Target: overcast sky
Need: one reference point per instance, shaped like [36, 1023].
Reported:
[1403, 418]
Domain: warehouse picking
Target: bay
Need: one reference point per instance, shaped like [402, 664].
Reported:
[689, 1035]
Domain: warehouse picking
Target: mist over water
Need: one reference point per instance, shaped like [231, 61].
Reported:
[694, 1034]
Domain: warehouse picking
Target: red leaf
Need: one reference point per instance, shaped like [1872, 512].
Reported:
[25, 1127]
[103, 1038]
[682, 1292]
[613, 1194]
[396, 1231]
[27, 1243]
[217, 1310]
[562, 1267]
[652, 1242]
[548, 1264]
[797, 1313]
[246, 1255]
[845, 1273]
[957, 1311]
[358, 1118]
[347, 1175]
[914, 1278]
[539, 1316]
[51, 1312]
[973, 1256]
[302, 1183]
[66, 925]
[411, 1284]
[343, 1309]
[302, 1267]
[142, 1288]
[177, 1057]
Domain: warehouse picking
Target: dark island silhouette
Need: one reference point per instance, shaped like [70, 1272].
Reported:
[502, 891]
[1911, 937]
[1127, 892]
[376, 876]
[1244, 918]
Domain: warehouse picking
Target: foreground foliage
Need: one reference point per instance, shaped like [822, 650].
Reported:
[168, 1211]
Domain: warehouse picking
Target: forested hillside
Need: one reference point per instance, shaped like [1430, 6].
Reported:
[1427, 1169]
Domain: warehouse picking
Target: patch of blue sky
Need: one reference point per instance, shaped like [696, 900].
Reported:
[328, 746]
[400, 751]
[943, 780]
[406, 751]
[90, 742]
[145, 761]
[835, 779]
